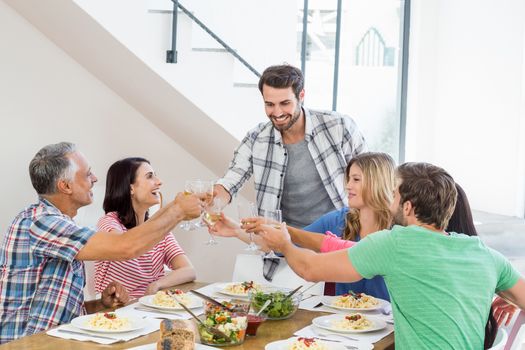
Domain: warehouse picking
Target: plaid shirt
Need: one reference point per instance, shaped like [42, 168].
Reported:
[41, 283]
[333, 139]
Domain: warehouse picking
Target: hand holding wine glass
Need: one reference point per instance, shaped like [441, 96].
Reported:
[211, 215]
[272, 218]
[247, 211]
[188, 190]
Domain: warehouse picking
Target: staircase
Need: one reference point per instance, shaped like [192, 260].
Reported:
[205, 96]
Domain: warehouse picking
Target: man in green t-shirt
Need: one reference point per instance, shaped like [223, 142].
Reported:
[441, 283]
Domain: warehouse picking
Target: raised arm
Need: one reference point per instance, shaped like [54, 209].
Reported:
[312, 266]
[516, 294]
[140, 239]
[306, 239]
[226, 227]
[239, 170]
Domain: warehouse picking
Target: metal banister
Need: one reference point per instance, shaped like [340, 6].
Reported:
[172, 54]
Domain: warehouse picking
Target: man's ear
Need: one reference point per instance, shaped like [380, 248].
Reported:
[301, 96]
[64, 186]
[408, 208]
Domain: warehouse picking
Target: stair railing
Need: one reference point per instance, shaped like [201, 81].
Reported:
[171, 55]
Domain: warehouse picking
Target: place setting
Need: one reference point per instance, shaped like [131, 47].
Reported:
[166, 304]
[106, 327]
[353, 330]
[350, 302]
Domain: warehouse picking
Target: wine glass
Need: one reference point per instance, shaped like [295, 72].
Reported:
[188, 225]
[274, 219]
[211, 215]
[248, 210]
[203, 188]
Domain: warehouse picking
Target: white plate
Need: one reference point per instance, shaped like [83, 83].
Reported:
[221, 288]
[328, 300]
[147, 300]
[325, 322]
[284, 345]
[82, 322]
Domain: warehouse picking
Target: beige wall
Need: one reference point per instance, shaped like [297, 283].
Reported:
[46, 97]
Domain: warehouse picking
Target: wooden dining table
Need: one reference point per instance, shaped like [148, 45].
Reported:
[268, 332]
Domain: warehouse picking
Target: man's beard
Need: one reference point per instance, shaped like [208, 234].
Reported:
[293, 119]
[399, 219]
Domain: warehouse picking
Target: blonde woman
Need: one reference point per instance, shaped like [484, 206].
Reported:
[370, 188]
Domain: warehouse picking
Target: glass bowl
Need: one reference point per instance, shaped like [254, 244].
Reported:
[232, 324]
[280, 307]
[238, 306]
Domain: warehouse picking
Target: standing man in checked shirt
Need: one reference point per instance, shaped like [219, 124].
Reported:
[41, 258]
[298, 159]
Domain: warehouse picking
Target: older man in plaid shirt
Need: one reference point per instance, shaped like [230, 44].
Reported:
[298, 159]
[41, 269]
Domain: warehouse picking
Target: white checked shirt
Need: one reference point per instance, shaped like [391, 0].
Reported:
[332, 138]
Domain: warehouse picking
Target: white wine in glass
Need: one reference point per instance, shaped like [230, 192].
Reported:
[272, 218]
[205, 189]
[188, 225]
[211, 215]
[248, 210]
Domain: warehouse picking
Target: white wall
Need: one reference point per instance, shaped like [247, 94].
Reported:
[46, 97]
[466, 97]
[206, 78]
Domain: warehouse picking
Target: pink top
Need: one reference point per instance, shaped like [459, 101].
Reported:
[135, 274]
[332, 243]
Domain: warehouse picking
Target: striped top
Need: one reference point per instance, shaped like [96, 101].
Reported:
[135, 274]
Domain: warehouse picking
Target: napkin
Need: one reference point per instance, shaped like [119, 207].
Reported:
[364, 340]
[151, 325]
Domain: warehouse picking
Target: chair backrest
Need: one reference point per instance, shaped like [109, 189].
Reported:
[516, 333]
[250, 268]
[500, 341]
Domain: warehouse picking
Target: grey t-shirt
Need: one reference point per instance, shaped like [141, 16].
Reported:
[304, 198]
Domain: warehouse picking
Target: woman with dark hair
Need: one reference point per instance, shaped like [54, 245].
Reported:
[132, 187]
[462, 222]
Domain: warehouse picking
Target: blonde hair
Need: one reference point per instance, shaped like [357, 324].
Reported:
[378, 185]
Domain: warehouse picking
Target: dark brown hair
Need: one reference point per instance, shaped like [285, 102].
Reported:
[461, 220]
[121, 175]
[282, 77]
[430, 189]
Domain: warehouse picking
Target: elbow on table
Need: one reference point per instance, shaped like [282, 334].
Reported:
[192, 274]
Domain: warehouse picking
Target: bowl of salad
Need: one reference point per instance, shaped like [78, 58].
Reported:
[223, 328]
[237, 306]
[281, 307]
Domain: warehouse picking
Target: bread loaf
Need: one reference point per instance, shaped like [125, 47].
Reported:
[176, 335]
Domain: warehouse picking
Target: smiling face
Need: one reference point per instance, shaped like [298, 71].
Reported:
[145, 191]
[81, 185]
[354, 187]
[282, 106]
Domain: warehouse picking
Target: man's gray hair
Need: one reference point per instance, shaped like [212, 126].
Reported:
[50, 165]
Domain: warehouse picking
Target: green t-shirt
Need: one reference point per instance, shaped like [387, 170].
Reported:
[441, 287]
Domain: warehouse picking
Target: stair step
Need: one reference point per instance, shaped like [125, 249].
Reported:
[209, 49]
[246, 85]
